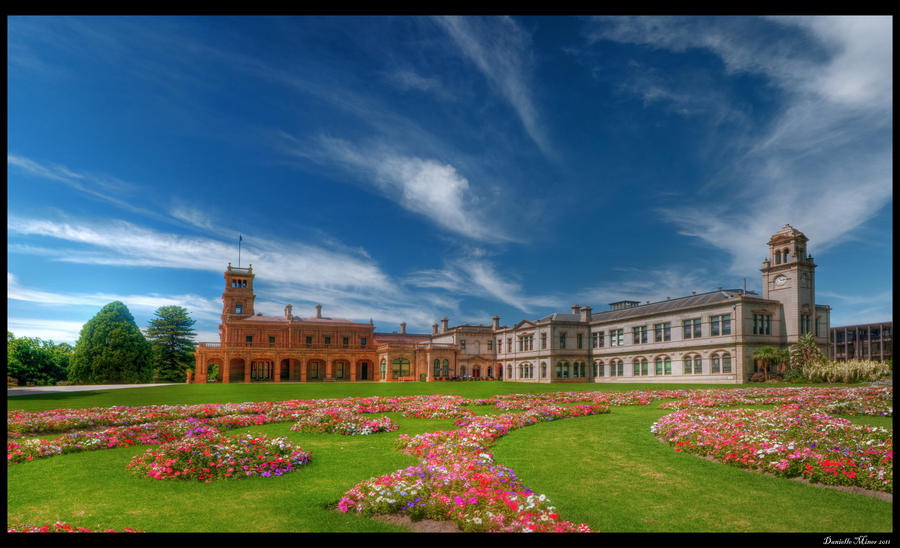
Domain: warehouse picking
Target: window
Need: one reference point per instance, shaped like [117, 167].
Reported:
[271, 341]
[595, 369]
[640, 367]
[720, 325]
[400, 368]
[339, 368]
[543, 370]
[543, 340]
[640, 335]
[437, 368]
[691, 329]
[445, 369]
[662, 332]
[509, 344]
[314, 369]
[346, 341]
[509, 371]
[599, 369]
[804, 324]
[600, 338]
[237, 309]
[362, 341]
[491, 345]
[462, 345]
[249, 339]
[762, 324]
[692, 365]
[499, 346]
[383, 369]
[663, 366]
[726, 363]
[715, 364]
[562, 340]
[616, 337]
[580, 340]
[327, 340]
[616, 368]
[308, 340]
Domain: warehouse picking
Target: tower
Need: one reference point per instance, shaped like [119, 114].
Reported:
[788, 275]
[238, 298]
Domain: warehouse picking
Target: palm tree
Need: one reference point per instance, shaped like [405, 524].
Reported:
[783, 356]
[767, 355]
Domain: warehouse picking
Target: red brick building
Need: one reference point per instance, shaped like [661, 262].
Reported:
[257, 348]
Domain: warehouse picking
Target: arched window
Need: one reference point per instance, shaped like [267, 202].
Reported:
[663, 365]
[777, 257]
[583, 370]
[599, 369]
[509, 371]
[786, 253]
[715, 364]
[726, 363]
[640, 367]
[462, 370]
[445, 369]
[692, 365]
[437, 368]
[383, 369]
[543, 370]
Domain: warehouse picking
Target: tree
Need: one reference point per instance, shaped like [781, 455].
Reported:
[111, 349]
[30, 359]
[783, 357]
[806, 352]
[170, 334]
[767, 355]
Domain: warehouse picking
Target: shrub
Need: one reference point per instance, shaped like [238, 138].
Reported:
[849, 371]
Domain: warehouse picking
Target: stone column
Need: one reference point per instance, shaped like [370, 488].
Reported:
[329, 369]
[226, 369]
[301, 363]
[353, 365]
[277, 371]
[248, 364]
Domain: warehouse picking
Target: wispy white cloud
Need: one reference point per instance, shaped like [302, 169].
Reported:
[200, 307]
[473, 274]
[58, 331]
[830, 134]
[433, 189]
[501, 50]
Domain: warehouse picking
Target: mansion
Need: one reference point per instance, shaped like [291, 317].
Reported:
[702, 338]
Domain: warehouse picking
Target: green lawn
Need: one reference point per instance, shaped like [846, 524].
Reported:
[605, 470]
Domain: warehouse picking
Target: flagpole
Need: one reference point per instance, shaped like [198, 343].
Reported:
[240, 239]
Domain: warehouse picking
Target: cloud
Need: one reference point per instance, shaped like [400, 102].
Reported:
[58, 331]
[425, 186]
[501, 50]
[199, 307]
[473, 275]
[830, 132]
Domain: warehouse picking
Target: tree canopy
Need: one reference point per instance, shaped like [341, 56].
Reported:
[171, 333]
[112, 349]
[30, 359]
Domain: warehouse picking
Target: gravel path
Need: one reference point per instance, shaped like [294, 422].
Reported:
[29, 390]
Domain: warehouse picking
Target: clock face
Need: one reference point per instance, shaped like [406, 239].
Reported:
[780, 280]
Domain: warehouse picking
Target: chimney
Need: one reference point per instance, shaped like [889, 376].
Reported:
[288, 312]
[575, 309]
[318, 311]
[444, 325]
[434, 329]
[403, 328]
[585, 313]
[496, 325]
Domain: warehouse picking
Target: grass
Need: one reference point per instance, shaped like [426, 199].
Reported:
[606, 470]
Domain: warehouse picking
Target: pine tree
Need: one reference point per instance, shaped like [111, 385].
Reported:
[170, 334]
[111, 349]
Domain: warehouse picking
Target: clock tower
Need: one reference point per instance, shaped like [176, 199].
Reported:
[788, 276]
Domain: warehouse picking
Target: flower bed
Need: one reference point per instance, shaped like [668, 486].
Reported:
[61, 527]
[458, 480]
[210, 457]
[788, 441]
[342, 420]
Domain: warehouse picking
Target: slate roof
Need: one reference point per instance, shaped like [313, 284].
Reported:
[672, 305]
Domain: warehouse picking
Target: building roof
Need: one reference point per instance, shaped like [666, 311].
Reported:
[672, 305]
[400, 338]
[275, 319]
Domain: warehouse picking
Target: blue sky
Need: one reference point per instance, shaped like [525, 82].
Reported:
[411, 168]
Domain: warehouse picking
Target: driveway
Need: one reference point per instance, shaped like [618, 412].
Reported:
[30, 390]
